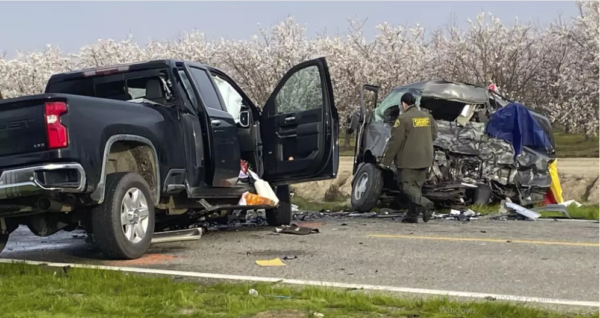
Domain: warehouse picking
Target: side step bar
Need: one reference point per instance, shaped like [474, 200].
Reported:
[177, 236]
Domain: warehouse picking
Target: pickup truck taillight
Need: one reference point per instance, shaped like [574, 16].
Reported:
[58, 137]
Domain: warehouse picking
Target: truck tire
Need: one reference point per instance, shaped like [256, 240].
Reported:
[282, 215]
[123, 225]
[482, 195]
[366, 187]
[3, 241]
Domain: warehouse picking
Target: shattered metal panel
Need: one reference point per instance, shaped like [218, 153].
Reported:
[451, 91]
[376, 136]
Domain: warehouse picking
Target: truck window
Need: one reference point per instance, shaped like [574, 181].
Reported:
[207, 89]
[187, 88]
[302, 91]
[128, 87]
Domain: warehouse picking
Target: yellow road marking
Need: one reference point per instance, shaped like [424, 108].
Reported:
[474, 239]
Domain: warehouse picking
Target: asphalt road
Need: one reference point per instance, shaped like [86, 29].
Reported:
[557, 260]
[587, 167]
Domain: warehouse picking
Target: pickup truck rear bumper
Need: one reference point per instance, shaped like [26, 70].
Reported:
[36, 180]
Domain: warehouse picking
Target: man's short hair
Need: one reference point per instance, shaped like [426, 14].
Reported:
[408, 98]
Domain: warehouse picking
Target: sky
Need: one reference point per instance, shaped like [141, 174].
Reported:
[27, 26]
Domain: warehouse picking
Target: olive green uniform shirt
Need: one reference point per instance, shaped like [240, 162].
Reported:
[411, 143]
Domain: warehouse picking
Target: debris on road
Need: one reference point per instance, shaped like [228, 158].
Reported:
[522, 211]
[463, 216]
[263, 188]
[249, 198]
[295, 229]
[270, 263]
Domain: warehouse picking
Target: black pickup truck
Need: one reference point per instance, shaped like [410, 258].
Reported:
[130, 151]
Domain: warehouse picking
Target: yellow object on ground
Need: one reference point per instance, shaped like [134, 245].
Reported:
[270, 263]
[555, 187]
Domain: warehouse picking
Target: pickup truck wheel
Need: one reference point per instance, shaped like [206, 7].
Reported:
[366, 187]
[3, 241]
[282, 215]
[124, 224]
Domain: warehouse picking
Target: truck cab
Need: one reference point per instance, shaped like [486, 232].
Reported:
[156, 146]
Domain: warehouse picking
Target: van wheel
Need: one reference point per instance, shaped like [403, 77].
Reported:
[282, 215]
[123, 225]
[3, 241]
[366, 187]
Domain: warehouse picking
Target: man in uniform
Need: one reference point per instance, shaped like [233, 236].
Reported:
[410, 147]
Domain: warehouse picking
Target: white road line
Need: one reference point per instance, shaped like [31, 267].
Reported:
[446, 293]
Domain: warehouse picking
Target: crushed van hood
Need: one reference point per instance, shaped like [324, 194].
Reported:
[452, 91]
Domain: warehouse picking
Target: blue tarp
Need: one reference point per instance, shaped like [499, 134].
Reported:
[515, 124]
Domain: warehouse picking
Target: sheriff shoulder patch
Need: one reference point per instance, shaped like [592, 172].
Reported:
[397, 123]
[420, 122]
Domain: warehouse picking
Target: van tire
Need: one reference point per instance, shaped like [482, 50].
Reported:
[109, 232]
[365, 201]
[282, 214]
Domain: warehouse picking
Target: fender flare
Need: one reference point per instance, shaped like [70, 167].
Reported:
[98, 194]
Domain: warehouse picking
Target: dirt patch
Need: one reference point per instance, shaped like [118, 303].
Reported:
[594, 193]
[339, 188]
[281, 314]
[582, 189]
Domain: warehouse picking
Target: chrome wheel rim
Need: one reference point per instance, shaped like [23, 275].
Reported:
[134, 215]
[361, 186]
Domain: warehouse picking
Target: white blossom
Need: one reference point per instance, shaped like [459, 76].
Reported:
[552, 69]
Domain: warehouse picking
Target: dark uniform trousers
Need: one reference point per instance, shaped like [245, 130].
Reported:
[410, 182]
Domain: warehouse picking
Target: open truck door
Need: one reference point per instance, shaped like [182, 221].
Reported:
[300, 127]
[368, 103]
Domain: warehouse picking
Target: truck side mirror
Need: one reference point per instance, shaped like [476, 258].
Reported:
[245, 119]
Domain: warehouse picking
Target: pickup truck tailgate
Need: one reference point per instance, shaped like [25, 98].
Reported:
[22, 127]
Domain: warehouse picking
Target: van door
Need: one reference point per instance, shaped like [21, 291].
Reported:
[368, 102]
[300, 127]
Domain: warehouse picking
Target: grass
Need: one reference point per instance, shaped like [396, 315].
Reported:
[584, 212]
[43, 292]
[575, 146]
[567, 146]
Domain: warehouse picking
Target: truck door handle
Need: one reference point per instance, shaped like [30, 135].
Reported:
[289, 119]
[215, 122]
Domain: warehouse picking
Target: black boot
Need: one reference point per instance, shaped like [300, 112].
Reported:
[428, 212]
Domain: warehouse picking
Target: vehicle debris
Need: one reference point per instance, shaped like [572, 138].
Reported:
[295, 229]
[553, 208]
[270, 263]
[532, 215]
[463, 216]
